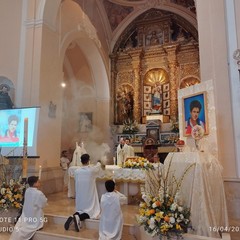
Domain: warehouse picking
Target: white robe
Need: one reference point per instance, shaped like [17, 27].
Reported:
[64, 162]
[111, 220]
[129, 152]
[78, 152]
[122, 154]
[86, 191]
[32, 218]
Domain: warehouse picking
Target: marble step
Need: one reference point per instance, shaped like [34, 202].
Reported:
[54, 229]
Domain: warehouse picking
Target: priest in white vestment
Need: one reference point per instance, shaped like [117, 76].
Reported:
[76, 162]
[122, 150]
[111, 220]
[87, 200]
[78, 152]
[130, 150]
[32, 217]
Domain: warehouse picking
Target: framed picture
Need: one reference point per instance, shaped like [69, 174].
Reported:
[147, 89]
[195, 112]
[138, 139]
[124, 136]
[147, 97]
[153, 133]
[166, 104]
[147, 105]
[167, 138]
[166, 111]
[165, 95]
[85, 121]
[166, 87]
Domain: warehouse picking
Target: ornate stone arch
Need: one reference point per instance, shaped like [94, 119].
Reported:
[189, 81]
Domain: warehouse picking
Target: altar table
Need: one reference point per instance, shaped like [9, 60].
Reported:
[202, 189]
[127, 179]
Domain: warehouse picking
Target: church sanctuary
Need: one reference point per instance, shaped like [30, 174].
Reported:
[122, 117]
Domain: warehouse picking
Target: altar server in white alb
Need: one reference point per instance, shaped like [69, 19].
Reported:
[87, 201]
[111, 220]
[32, 217]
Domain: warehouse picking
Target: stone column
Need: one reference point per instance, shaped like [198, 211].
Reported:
[172, 64]
[113, 89]
[136, 63]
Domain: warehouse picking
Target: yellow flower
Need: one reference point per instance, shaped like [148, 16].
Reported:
[164, 228]
[178, 227]
[142, 211]
[159, 214]
[142, 205]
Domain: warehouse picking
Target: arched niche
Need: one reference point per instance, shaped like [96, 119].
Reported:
[189, 81]
[168, 26]
[155, 87]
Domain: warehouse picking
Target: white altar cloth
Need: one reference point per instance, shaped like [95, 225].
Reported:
[124, 175]
[202, 190]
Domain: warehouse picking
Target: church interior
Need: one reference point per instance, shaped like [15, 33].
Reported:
[101, 70]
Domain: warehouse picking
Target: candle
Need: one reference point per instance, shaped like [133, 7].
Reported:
[114, 161]
[25, 131]
[40, 172]
[24, 161]
[113, 176]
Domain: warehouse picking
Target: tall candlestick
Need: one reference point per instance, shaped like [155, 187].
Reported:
[25, 139]
[40, 172]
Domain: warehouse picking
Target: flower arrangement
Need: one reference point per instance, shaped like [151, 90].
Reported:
[130, 126]
[197, 132]
[137, 163]
[11, 195]
[162, 215]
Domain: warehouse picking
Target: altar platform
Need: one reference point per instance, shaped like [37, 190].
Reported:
[60, 207]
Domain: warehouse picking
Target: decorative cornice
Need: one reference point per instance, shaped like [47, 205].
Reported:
[89, 30]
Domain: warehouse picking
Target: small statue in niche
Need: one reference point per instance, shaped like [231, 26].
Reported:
[125, 105]
[52, 110]
[5, 100]
[154, 39]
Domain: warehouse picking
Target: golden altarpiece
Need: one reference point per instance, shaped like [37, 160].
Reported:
[155, 56]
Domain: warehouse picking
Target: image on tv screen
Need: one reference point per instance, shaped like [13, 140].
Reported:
[12, 123]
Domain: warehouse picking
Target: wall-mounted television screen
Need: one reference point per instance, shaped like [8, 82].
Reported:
[12, 122]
